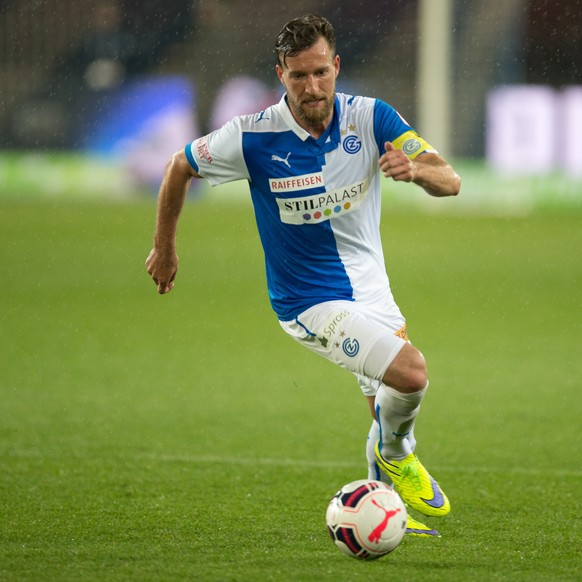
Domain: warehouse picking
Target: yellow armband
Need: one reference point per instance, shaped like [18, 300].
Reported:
[412, 144]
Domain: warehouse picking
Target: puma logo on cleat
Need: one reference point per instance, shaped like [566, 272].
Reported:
[276, 158]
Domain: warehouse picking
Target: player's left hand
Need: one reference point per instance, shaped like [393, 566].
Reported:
[162, 270]
[395, 164]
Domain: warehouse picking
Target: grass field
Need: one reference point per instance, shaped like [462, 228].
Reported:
[185, 437]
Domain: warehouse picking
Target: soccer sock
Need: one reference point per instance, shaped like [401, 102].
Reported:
[396, 413]
[373, 470]
[410, 438]
[373, 437]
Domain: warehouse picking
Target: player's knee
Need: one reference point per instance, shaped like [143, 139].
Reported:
[420, 373]
[417, 379]
[408, 373]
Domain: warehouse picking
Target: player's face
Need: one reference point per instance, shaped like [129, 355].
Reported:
[309, 80]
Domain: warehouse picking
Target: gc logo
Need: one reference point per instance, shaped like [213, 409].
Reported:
[410, 146]
[352, 144]
[351, 347]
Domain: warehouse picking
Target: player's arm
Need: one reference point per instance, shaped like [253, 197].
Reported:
[428, 170]
[162, 262]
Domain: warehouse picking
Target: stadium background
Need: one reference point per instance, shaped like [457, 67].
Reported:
[126, 82]
[48, 47]
[184, 437]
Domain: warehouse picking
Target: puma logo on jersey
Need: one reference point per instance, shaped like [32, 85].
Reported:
[276, 158]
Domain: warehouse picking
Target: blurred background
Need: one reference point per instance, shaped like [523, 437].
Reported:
[121, 84]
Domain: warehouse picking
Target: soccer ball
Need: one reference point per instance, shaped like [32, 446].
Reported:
[366, 519]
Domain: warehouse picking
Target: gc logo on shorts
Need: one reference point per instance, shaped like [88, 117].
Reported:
[358, 336]
[351, 347]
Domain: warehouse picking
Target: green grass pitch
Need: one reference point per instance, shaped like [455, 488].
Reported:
[186, 437]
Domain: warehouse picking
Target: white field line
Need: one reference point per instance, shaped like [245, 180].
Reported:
[305, 463]
[310, 463]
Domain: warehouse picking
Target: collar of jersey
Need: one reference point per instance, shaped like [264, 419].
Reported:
[331, 136]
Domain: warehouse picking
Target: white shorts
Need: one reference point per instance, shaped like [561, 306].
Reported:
[361, 337]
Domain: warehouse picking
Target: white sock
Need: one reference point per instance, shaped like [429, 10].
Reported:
[410, 438]
[396, 413]
[373, 470]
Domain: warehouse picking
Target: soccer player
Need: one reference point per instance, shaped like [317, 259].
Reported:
[314, 163]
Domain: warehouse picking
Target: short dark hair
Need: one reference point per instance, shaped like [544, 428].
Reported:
[302, 33]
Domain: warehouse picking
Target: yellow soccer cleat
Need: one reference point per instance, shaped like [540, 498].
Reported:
[415, 485]
[417, 529]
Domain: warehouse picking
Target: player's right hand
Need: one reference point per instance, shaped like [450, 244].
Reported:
[162, 269]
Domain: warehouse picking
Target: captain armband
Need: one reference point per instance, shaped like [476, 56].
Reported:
[412, 144]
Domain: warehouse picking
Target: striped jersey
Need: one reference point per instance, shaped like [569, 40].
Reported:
[316, 201]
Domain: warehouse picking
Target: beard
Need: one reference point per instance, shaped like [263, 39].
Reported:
[313, 116]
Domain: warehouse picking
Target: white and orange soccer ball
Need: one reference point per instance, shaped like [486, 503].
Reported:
[366, 519]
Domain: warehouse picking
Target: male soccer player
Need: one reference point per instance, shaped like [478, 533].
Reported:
[314, 163]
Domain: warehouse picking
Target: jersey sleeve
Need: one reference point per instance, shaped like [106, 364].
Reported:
[389, 125]
[218, 156]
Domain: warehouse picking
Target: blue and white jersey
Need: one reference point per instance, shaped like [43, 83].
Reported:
[316, 201]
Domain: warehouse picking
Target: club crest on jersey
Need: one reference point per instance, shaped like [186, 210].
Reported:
[324, 206]
[352, 144]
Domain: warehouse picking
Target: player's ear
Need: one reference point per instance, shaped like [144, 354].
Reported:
[279, 71]
[336, 64]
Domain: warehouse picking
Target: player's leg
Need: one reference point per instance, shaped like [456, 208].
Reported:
[370, 388]
[406, 373]
[370, 342]
[353, 337]
[373, 438]
[391, 434]
[398, 401]
[413, 526]
[396, 407]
